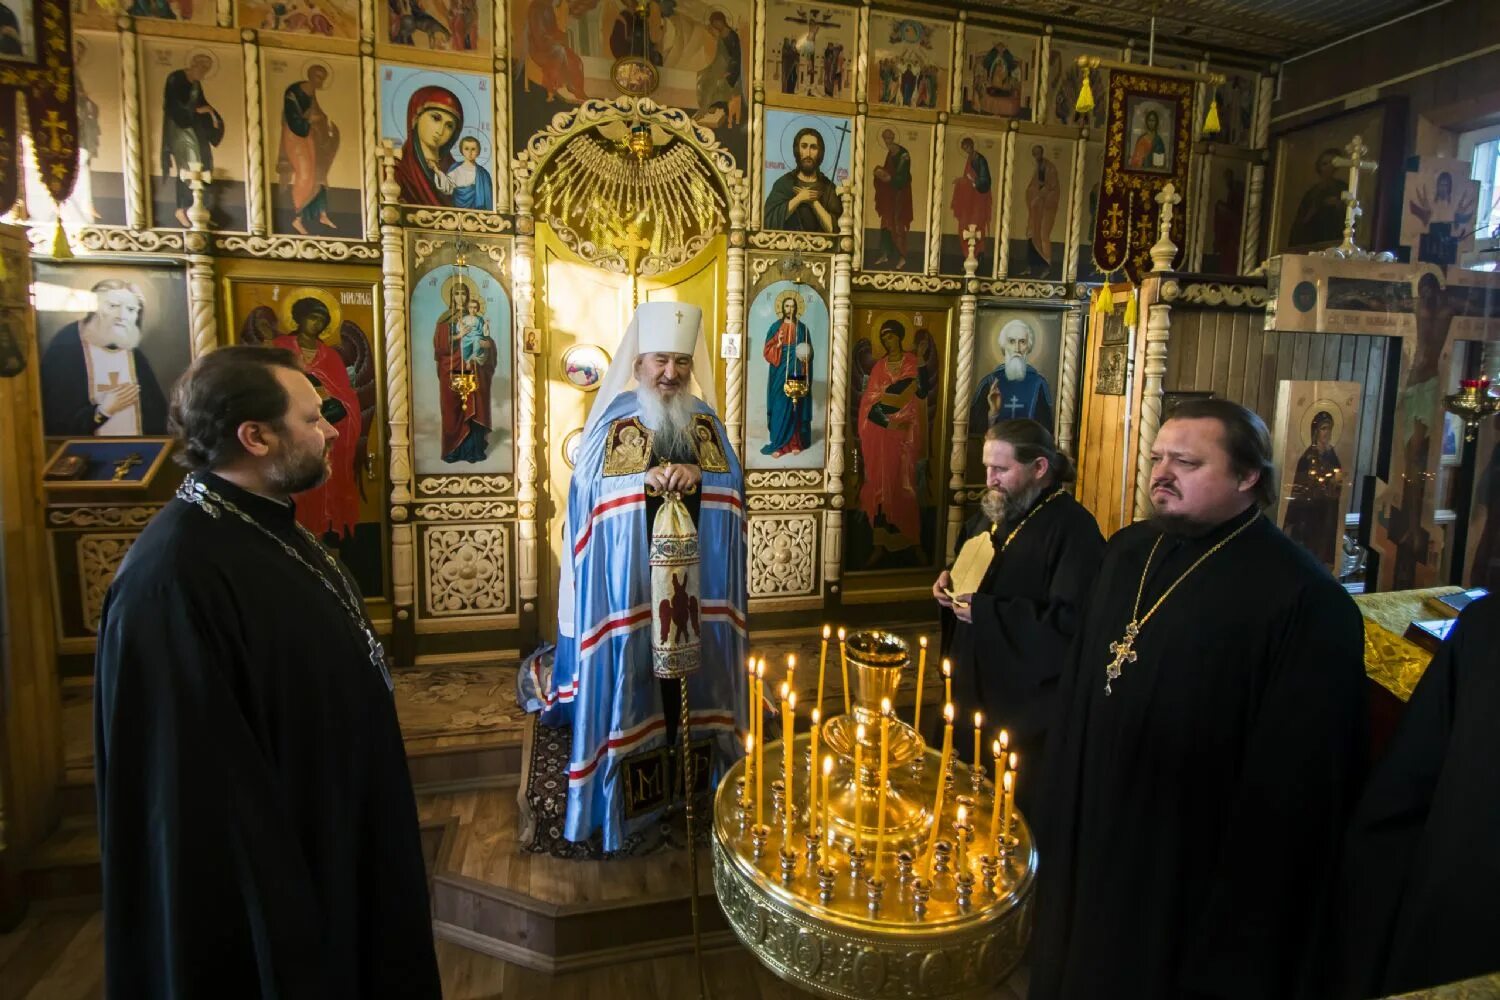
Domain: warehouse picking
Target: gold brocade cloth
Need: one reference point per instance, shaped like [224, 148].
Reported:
[1392, 661]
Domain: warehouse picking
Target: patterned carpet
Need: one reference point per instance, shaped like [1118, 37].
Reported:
[545, 802]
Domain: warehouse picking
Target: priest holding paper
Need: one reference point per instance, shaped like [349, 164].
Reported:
[1013, 599]
[652, 591]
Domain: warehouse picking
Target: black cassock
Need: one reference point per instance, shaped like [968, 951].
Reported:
[1422, 873]
[1192, 819]
[257, 825]
[1025, 614]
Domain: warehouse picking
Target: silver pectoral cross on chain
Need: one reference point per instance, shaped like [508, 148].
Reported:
[1124, 653]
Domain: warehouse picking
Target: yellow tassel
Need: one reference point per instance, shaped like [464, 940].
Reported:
[61, 249]
[1211, 122]
[1102, 300]
[1085, 96]
[1132, 313]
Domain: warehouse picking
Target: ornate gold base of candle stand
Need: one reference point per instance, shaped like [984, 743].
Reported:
[845, 929]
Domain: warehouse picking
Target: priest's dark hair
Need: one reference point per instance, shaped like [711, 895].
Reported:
[1245, 437]
[222, 390]
[1031, 441]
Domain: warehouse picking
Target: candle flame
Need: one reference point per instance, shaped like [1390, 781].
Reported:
[996, 745]
[791, 661]
[885, 706]
[978, 719]
[948, 712]
[1009, 780]
[817, 716]
[1015, 760]
[962, 815]
[785, 689]
[841, 633]
[1004, 739]
[859, 732]
[826, 632]
[828, 765]
[922, 641]
[760, 669]
[749, 743]
[791, 701]
[947, 668]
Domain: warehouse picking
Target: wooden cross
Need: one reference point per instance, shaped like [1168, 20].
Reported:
[1165, 251]
[198, 180]
[1354, 161]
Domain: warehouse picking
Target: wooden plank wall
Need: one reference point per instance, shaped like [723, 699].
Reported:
[1230, 353]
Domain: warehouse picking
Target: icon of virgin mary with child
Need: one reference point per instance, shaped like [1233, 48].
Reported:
[439, 162]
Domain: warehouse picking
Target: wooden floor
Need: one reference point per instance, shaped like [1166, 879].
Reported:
[58, 954]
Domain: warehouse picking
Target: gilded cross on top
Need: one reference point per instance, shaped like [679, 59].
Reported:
[1354, 161]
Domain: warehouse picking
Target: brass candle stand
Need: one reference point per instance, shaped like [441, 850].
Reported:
[842, 922]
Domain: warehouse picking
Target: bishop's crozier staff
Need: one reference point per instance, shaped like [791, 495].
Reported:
[257, 829]
[620, 616]
[1209, 743]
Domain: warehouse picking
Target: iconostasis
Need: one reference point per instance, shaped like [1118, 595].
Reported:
[450, 208]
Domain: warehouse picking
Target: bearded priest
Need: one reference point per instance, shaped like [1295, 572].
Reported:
[652, 592]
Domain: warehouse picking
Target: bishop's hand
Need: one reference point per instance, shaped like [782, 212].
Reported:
[673, 477]
[963, 608]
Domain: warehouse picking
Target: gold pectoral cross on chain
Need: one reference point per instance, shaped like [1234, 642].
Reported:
[1124, 653]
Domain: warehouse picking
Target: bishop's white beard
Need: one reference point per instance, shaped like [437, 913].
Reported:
[670, 421]
[1015, 368]
[121, 335]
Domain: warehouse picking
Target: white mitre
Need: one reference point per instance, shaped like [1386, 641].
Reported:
[657, 328]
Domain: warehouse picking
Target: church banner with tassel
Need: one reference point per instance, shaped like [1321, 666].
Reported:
[36, 59]
[1147, 142]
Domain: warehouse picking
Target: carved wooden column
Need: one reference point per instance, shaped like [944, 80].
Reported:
[255, 136]
[202, 315]
[136, 216]
[1255, 185]
[523, 288]
[734, 305]
[1002, 237]
[371, 123]
[838, 391]
[963, 385]
[1154, 371]
[398, 406]
[1067, 393]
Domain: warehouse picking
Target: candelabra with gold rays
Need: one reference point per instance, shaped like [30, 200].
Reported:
[638, 173]
[864, 863]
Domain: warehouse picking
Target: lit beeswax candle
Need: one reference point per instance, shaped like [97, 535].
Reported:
[827, 771]
[788, 730]
[947, 681]
[859, 795]
[916, 721]
[844, 660]
[937, 806]
[885, 770]
[995, 809]
[812, 773]
[822, 663]
[978, 738]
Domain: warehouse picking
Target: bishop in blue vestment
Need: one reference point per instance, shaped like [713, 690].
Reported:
[638, 444]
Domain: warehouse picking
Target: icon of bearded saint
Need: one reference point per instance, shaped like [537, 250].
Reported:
[1015, 389]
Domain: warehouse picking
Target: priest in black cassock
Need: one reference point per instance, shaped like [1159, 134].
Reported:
[1009, 639]
[1209, 745]
[257, 829]
[1422, 872]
